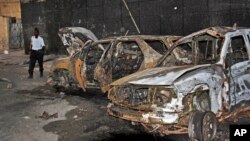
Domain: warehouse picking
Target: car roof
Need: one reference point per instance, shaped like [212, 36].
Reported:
[147, 37]
[217, 31]
[135, 37]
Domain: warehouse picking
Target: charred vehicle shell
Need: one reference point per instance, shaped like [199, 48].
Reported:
[99, 63]
[65, 73]
[74, 38]
[208, 76]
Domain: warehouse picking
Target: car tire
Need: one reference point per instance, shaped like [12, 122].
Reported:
[202, 126]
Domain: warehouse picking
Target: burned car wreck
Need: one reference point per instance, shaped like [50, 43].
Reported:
[207, 79]
[99, 63]
[66, 73]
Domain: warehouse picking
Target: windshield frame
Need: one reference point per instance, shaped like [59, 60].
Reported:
[194, 41]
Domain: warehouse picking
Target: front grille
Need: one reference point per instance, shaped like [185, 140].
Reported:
[133, 95]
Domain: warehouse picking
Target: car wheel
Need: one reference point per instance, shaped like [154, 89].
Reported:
[202, 126]
[209, 126]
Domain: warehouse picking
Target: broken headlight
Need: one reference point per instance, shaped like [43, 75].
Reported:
[163, 95]
[132, 95]
[139, 96]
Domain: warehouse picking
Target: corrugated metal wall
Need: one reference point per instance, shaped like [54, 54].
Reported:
[110, 17]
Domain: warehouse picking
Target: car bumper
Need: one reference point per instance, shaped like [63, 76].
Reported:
[147, 117]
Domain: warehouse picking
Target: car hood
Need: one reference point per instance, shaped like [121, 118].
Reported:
[157, 76]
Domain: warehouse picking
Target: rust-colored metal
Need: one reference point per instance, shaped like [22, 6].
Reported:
[165, 129]
[135, 54]
[104, 77]
[234, 116]
[64, 63]
[78, 65]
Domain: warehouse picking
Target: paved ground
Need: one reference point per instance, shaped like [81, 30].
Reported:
[32, 111]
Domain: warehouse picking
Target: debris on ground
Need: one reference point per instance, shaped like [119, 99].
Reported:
[75, 117]
[46, 116]
[9, 85]
[26, 117]
[62, 94]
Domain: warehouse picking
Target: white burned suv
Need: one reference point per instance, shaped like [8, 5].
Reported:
[207, 79]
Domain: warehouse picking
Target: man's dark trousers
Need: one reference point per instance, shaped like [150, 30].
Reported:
[36, 55]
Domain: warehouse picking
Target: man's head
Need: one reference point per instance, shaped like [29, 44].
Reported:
[36, 32]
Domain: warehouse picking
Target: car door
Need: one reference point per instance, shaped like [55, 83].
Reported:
[127, 58]
[238, 70]
[87, 62]
[103, 71]
[123, 58]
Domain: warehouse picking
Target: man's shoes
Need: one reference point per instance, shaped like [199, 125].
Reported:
[41, 75]
[30, 74]
[30, 77]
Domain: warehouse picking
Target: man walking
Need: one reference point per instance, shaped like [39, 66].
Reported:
[37, 48]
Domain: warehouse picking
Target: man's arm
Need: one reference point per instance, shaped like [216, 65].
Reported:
[43, 45]
[31, 43]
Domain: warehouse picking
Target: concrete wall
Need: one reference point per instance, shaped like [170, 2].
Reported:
[10, 8]
[4, 34]
[110, 17]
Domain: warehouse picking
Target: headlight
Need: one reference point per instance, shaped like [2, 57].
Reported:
[131, 95]
[163, 95]
[136, 95]
[123, 93]
[140, 96]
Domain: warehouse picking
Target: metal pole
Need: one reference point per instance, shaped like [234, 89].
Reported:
[131, 16]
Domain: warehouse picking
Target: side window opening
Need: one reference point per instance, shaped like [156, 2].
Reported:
[239, 50]
[127, 58]
[183, 54]
[93, 57]
[94, 54]
[157, 45]
[206, 49]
